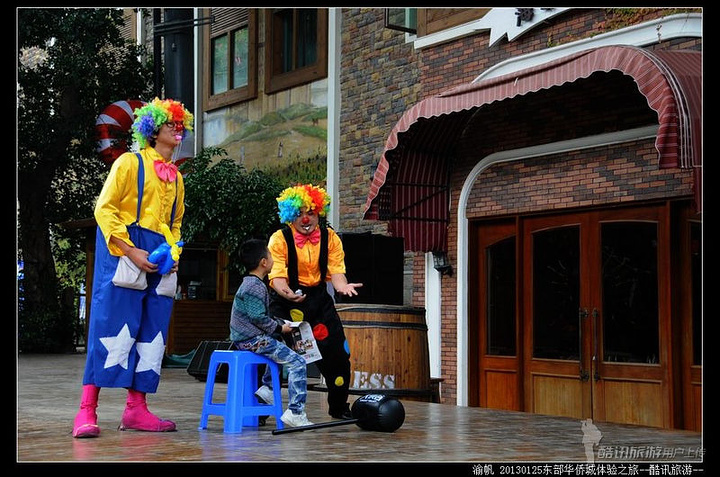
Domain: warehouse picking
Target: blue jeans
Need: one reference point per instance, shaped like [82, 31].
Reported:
[282, 354]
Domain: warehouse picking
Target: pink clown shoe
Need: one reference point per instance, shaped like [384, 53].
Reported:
[136, 416]
[85, 424]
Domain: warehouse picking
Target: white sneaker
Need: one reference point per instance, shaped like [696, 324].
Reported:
[295, 420]
[265, 394]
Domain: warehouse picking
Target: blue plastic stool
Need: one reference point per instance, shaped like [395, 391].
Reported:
[241, 406]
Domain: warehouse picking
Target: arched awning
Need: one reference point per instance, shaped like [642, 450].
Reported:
[416, 202]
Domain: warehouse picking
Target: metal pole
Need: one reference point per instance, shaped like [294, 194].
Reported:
[315, 426]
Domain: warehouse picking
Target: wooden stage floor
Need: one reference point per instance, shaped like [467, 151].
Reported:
[48, 392]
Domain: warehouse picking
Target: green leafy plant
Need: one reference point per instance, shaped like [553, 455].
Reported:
[225, 203]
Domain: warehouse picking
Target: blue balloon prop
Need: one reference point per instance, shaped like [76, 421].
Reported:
[162, 257]
[167, 253]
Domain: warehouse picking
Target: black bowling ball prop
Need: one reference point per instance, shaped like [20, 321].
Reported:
[371, 412]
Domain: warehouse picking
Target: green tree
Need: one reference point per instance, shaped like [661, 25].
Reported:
[227, 204]
[73, 63]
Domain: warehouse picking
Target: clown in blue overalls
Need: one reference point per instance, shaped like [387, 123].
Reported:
[131, 300]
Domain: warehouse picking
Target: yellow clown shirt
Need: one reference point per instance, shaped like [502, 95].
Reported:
[116, 207]
[308, 258]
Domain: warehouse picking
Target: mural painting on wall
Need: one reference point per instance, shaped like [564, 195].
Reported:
[290, 143]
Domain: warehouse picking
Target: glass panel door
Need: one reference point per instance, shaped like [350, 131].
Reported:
[592, 298]
[631, 318]
[498, 356]
[556, 346]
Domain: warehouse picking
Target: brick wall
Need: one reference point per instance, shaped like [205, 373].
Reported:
[380, 81]
[607, 175]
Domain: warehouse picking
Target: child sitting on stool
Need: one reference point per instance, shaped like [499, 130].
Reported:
[253, 329]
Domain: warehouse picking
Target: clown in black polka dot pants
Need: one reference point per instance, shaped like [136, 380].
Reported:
[306, 256]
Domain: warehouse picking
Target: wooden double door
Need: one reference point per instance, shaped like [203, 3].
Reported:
[575, 316]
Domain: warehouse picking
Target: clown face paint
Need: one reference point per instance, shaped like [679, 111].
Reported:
[306, 222]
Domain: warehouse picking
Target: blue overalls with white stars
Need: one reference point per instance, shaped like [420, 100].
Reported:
[128, 327]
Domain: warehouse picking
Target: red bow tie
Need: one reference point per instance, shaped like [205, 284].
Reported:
[302, 239]
[165, 170]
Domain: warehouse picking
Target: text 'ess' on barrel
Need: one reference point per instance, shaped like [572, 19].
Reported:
[388, 350]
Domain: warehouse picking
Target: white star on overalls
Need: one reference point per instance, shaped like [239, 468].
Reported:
[118, 348]
[151, 354]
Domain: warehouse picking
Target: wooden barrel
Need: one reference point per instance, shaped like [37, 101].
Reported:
[388, 350]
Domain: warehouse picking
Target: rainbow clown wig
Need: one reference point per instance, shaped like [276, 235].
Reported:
[292, 199]
[150, 117]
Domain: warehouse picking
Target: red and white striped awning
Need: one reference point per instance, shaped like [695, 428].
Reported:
[416, 203]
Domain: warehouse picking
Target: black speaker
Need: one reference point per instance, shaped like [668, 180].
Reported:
[376, 261]
[200, 362]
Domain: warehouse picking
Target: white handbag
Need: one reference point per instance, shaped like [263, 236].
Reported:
[128, 275]
[167, 285]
